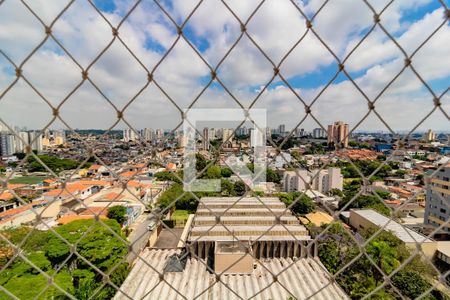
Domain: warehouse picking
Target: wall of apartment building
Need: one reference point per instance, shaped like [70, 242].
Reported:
[294, 182]
[323, 180]
[438, 192]
[335, 179]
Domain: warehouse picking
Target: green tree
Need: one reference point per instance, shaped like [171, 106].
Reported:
[100, 246]
[168, 176]
[53, 163]
[410, 284]
[303, 206]
[213, 172]
[273, 176]
[19, 155]
[227, 188]
[337, 192]
[94, 242]
[118, 213]
[226, 172]
[384, 256]
[200, 162]
[239, 188]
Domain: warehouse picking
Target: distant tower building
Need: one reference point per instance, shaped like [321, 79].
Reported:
[21, 141]
[295, 180]
[326, 180]
[129, 135]
[159, 133]
[227, 136]
[147, 134]
[338, 134]
[46, 134]
[182, 140]
[282, 129]
[437, 195]
[212, 133]
[205, 139]
[319, 133]
[257, 137]
[429, 136]
[7, 144]
[35, 139]
[59, 137]
[3, 128]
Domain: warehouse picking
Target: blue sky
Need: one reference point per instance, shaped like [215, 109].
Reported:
[212, 30]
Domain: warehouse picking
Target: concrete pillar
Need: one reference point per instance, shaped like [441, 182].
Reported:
[200, 249]
[314, 245]
[275, 249]
[207, 247]
[261, 249]
[255, 248]
[296, 250]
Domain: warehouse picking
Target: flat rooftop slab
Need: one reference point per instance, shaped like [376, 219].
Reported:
[168, 238]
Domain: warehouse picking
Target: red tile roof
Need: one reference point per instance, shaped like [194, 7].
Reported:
[95, 167]
[15, 211]
[70, 218]
[94, 210]
[128, 174]
[113, 196]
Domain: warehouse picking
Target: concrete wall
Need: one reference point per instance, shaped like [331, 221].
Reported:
[360, 223]
[153, 237]
[25, 217]
[51, 210]
[233, 263]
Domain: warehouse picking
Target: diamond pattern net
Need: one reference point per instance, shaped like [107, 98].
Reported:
[149, 154]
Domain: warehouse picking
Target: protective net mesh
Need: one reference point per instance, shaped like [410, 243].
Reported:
[370, 252]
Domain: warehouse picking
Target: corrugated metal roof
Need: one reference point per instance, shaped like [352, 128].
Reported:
[306, 278]
[404, 234]
[252, 220]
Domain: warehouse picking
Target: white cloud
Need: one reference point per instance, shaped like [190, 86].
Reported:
[275, 27]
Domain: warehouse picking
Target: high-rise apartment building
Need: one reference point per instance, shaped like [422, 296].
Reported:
[227, 136]
[59, 137]
[429, 136]
[319, 133]
[21, 141]
[205, 139]
[159, 133]
[182, 140]
[35, 139]
[147, 134]
[437, 209]
[7, 144]
[281, 129]
[338, 134]
[257, 138]
[322, 180]
[129, 135]
[295, 181]
[212, 133]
